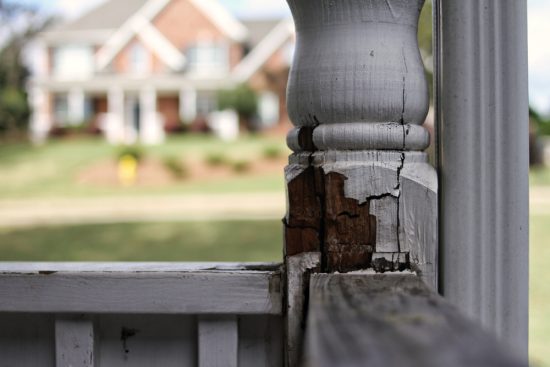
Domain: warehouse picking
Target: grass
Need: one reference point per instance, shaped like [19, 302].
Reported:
[539, 176]
[51, 170]
[177, 241]
[539, 292]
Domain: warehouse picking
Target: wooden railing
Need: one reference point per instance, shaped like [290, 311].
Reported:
[91, 315]
[393, 320]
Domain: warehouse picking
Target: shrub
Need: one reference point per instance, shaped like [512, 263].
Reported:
[134, 151]
[176, 167]
[241, 166]
[272, 152]
[215, 159]
[242, 99]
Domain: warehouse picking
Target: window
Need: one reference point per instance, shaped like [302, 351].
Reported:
[73, 62]
[208, 57]
[140, 59]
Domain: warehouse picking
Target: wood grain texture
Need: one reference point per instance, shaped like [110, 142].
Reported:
[218, 341]
[27, 340]
[357, 61]
[261, 341]
[392, 320]
[482, 97]
[128, 292]
[298, 271]
[74, 342]
[147, 340]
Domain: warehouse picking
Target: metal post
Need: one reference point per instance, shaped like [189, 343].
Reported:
[483, 161]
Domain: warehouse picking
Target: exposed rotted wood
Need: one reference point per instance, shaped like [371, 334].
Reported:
[350, 230]
[382, 320]
[301, 139]
[303, 220]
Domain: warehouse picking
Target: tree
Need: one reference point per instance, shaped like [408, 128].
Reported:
[20, 23]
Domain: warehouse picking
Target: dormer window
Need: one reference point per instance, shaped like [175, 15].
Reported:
[73, 61]
[140, 59]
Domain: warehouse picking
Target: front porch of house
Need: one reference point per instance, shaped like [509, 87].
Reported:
[131, 111]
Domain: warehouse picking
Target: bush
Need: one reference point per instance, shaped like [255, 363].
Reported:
[215, 159]
[272, 152]
[134, 151]
[241, 166]
[242, 99]
[176, 167]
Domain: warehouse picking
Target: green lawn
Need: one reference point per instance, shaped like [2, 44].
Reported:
[539, 176]
[51, 170]
[187, 241]
[539, 292]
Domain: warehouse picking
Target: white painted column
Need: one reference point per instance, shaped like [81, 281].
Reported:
[483, 160]
[76, 104]
[188, 104]
[41, 121]
[113, 124]
[152, 128]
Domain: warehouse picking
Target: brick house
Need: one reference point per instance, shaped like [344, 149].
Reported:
[138, 68]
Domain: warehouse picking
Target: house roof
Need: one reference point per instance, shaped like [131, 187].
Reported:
[112, 15]
[259, 29]
[269, 44]
[108, 15]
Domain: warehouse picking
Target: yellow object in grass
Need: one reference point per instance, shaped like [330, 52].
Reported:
[127, 170]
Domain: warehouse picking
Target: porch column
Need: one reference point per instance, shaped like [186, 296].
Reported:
[361, 194]
[76, 105]
[41, 119]
[188, 104]
[113, 125]
[483, 160]
[152, 128]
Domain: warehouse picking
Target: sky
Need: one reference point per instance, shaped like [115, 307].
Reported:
[539, 32]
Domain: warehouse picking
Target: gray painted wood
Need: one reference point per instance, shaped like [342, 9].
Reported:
[299, 268]
[131, 292]
[357, 97]
[27, 340]
[392, 320]
[483, 160]
[118, 267]
[357, 62]
[147, 340]
[74, 342]
[218, 341]
[260, 341]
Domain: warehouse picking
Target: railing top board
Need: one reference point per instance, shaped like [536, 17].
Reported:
[392, 320]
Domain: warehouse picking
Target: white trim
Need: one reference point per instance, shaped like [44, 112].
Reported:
[128, 30]
[58, 37]
[263, 51]
[164, 49]
[222, 19]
